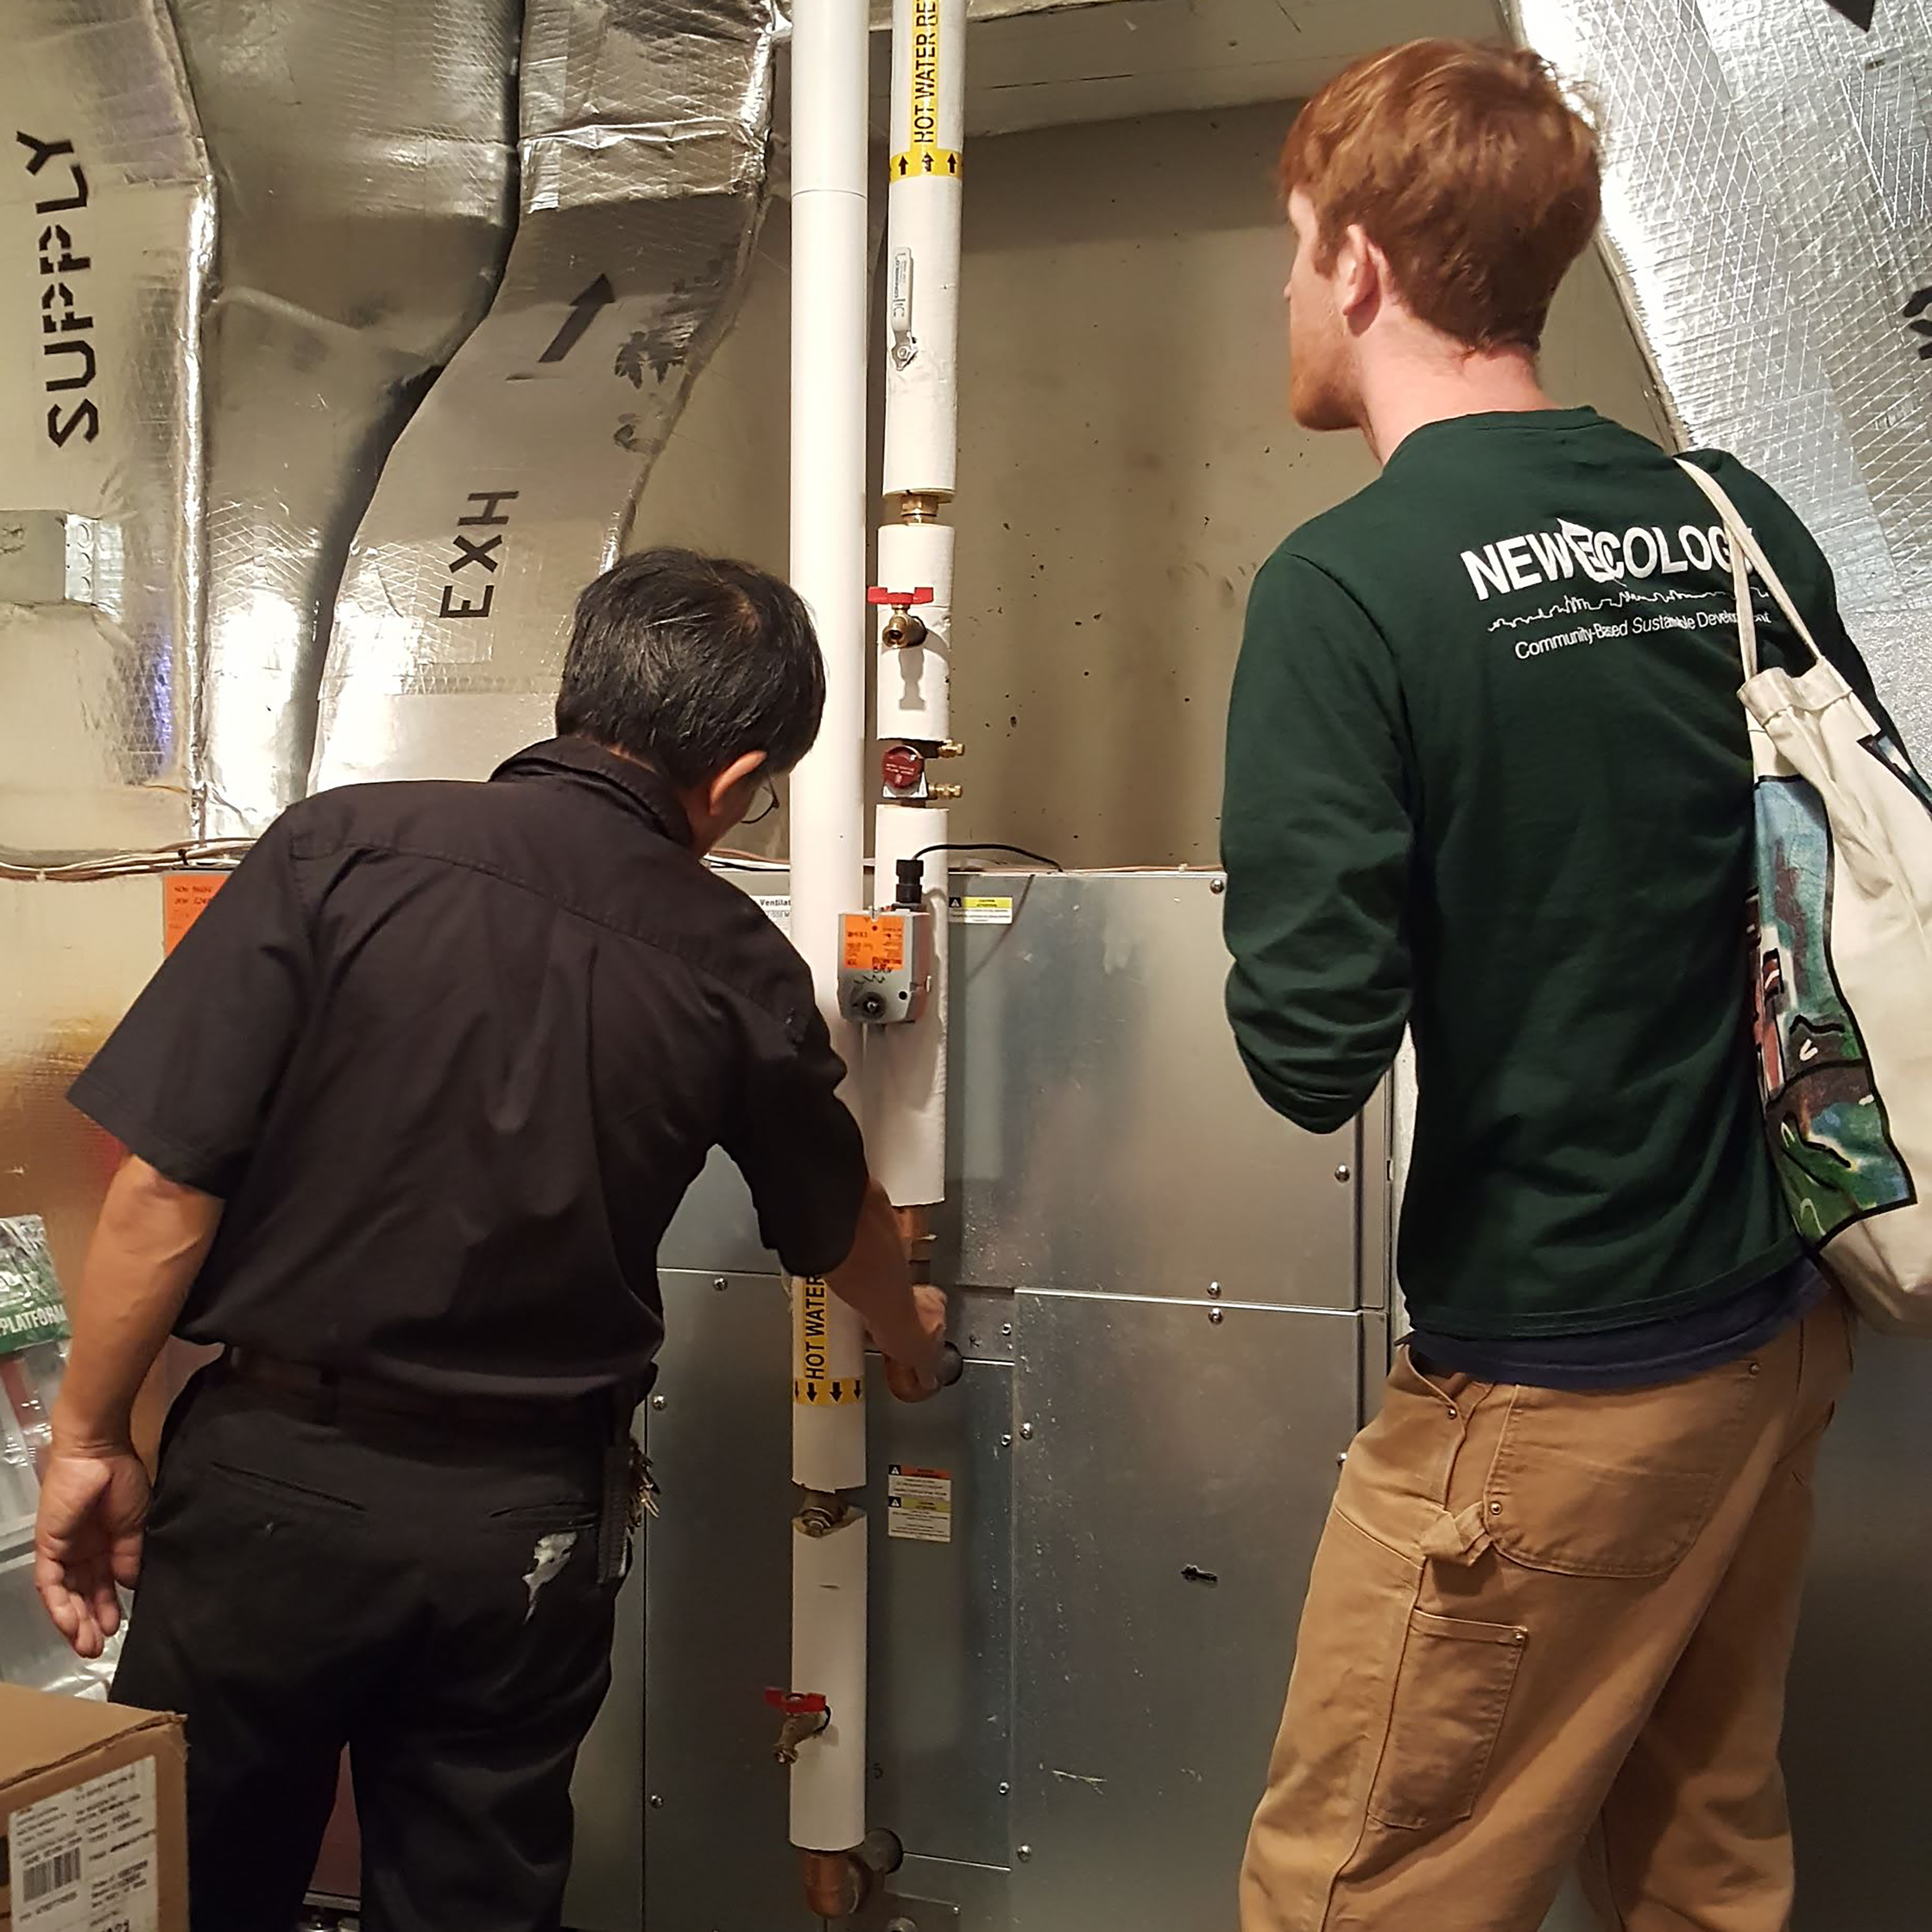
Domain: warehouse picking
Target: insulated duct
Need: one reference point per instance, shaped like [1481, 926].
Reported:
[365, 178]
[108, 212]
[644, 128]
[1768, 208]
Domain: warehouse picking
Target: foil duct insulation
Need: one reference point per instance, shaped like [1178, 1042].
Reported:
[645, 124]
[1769, 211]
[107, 209]
[365, 183]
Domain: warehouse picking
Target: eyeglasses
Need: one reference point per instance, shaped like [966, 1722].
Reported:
[769, 787]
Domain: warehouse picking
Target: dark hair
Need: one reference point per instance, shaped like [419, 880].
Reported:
[689, 662]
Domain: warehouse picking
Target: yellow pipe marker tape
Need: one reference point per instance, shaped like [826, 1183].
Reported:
[923, 155]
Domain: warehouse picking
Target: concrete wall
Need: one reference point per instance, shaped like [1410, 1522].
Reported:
[1127, 463]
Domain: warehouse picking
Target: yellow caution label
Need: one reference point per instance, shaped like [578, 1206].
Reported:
[947, 163]
[980, 910]
[813, 1384]
[923, 155]
[832, 1393]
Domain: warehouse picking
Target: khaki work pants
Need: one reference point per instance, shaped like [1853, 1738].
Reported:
[1547, 1628]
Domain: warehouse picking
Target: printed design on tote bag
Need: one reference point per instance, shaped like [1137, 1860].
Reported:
[1835, 1154]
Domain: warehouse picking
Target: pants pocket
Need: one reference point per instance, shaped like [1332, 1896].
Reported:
[1619, 1483]
[1452, 1691]
[274, 1489]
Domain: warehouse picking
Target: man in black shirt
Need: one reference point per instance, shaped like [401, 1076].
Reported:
[408, 1113]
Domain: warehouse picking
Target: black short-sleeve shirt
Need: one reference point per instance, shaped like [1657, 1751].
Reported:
[452, 1053]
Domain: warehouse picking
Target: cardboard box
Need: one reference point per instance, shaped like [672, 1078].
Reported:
[93, 1817]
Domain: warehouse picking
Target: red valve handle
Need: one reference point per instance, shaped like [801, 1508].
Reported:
[900, 600]
[798, 1703]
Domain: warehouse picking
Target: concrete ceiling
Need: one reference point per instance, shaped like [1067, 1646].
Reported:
[1037, 63]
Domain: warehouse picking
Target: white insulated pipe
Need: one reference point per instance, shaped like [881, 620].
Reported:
[925, 179]
[828, 1642]
[906, 1066]
[915, 684]
[828, 357]
[828, 1390]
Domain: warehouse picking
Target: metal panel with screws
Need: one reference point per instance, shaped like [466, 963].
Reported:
[1107, 1140]
[1166, 1508]
[717, 1854]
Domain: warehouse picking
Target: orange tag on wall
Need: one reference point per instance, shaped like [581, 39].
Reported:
[185, 895]
[874, 945]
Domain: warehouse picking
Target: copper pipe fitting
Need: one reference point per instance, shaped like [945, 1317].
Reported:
[835, 1883]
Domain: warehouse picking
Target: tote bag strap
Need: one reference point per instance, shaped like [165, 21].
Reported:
[1745, 545]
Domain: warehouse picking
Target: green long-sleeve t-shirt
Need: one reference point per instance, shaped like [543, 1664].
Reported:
[1487, 776]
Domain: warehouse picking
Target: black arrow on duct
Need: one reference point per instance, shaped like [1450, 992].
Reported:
[583, 311]
[1920, 322]
[1859, 12]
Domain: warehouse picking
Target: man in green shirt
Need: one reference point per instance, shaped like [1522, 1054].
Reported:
[1487, 779]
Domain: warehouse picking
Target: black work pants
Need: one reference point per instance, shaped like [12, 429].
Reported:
[427, 1596]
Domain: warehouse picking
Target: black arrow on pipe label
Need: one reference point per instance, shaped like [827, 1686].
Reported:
[583, 311]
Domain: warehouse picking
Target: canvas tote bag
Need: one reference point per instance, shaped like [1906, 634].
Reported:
[1841, 926]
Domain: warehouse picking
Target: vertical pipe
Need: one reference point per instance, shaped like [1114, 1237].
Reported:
[829, 78]
[925, 179]
[906, 1066]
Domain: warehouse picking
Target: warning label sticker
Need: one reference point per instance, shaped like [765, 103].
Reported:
[874, 945]
[919, 1503]
[84, 1860]
[979, 911]
[185, 897]
[813, 1383]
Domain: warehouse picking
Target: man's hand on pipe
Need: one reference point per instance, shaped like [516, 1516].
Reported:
[908, 1323]
[915, 1381]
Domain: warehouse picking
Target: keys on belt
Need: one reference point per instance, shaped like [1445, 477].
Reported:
[630, 1495]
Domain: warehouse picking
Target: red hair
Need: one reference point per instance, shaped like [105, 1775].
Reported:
[1467, 167]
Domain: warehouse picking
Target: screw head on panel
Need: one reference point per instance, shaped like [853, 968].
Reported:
[1006, 1328]
[1005, 1789]
[657, 1801]
[657, 1401]
[1026, 1432]
[1345, 1172]
[718, 1282]
[1217, 1315]
[1217, 885]
[1006, 1442]
[1214, 1288]
[1024, 1852]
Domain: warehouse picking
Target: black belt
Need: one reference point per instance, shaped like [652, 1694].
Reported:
[325, 1390]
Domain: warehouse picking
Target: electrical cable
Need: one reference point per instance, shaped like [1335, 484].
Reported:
[978, 845]
[207, 852]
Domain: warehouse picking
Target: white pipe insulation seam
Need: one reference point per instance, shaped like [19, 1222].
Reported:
[828, 336]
